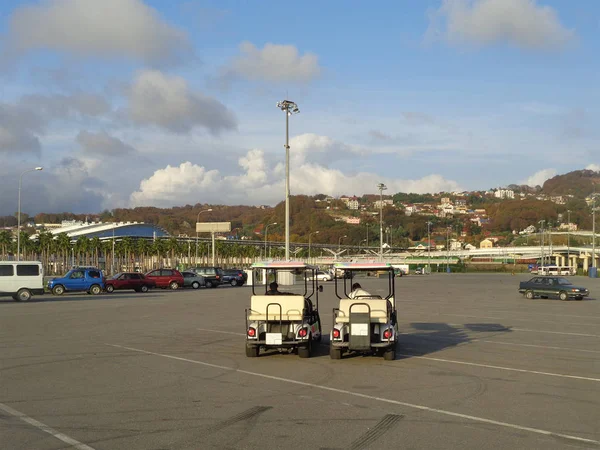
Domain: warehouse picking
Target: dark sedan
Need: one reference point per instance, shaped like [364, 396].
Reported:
[235, 277]
[545, 287]
[129, 280]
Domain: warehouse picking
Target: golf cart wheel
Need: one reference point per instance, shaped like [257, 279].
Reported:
[390, 354]
[529, 295]
[335, 353]
[563, 296]
[252, 351]
[305, 350]
[579, 298]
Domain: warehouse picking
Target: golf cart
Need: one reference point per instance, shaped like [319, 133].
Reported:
[366, 323]
[284, 321]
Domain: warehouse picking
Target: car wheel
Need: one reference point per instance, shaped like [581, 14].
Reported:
[95, 289]
[58, 290]
[335, 353]
[529, 295]
[110, 288]
[195, 285]
[563, 296]
[252, 351]
[24, 295]
[209, 284]
[144, 288]
[233, 282]
[174, 285]
[390, 354]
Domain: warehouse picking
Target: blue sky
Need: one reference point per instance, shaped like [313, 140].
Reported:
[129, 103]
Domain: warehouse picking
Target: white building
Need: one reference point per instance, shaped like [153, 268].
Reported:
[504, 193]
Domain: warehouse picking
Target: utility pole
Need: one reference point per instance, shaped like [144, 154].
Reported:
[428, 248]
[447, 249]
[569, 239]
[541, 222]
[593, 232]
[382, 187]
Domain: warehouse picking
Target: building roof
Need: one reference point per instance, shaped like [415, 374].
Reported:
[108, 230]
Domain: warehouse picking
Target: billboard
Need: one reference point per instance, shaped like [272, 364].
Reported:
[213, 227]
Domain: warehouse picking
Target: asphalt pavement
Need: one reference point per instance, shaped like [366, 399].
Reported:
[478, 366]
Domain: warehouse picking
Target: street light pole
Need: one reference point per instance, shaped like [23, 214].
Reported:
[198, 220]
[447, 249]
[266, 231]
[382, 187]
[289, 108]
[428, 248]
[593, 232]
[569, 239]
[367, 235]
[309, 241]
[541, 222]
[19, 211]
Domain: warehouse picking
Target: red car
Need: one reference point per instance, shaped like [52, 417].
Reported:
[129, 280]
[166, 278]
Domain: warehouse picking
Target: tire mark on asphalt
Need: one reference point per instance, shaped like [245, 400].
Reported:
[382, 427]
[245, 415]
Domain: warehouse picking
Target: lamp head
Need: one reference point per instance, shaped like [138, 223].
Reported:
[39, 168]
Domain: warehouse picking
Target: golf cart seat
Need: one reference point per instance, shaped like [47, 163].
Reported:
[291, 307]
[380, 309]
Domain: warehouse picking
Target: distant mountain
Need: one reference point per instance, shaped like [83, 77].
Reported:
[579, 183]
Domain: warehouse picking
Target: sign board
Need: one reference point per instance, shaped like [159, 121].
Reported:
[213, 227]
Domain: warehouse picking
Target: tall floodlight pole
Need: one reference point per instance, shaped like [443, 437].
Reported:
[569, 239]
[428, 248]
[367, 235]
[266, 231]
[309, 241]
[198, 220]
[289, 108]
[447, 249]
[382, 187]
[541, 222]
[593, 232]
[19, 211]
[340, 242]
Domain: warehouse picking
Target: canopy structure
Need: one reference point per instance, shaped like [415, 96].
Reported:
[290, 265]
[362, 266]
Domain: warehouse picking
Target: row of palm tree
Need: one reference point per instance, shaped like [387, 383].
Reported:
[59, 252]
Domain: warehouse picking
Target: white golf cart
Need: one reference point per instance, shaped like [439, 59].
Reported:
[364, 323]
[285, 321]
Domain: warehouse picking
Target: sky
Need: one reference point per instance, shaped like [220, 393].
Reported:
[130, 103]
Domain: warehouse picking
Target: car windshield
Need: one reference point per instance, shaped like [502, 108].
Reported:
[564, 281]
[115, 276]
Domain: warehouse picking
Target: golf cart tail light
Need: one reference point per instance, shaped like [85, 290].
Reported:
[336, 333]
[217, 277]
[251, 332]
[303, 332]
[387, 334]
[574, 290]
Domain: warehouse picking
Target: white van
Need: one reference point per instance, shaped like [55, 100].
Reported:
[21, 279]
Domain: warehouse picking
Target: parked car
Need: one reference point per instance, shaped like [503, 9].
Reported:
[552, 286]
[213, 276]
[21, 279]
[166, 278]
[321, 276]
[193, 280]
[234, 277]
[78, 279]
[129, 280]
[419, 271]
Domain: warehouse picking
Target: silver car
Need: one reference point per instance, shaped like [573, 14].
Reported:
[193, 280]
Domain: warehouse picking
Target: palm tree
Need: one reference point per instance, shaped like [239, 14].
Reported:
[106, 247]
[63, 243]
[128, 248]
[95, 246]
[174, 247]
[26, 244]
[6, 241]
[45, 240]
[143, 247]
[82, 248]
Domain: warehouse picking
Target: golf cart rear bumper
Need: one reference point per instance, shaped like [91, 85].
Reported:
[284, 344]
[346, 345]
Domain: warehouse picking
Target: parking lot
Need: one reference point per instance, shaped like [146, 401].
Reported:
[477, 366]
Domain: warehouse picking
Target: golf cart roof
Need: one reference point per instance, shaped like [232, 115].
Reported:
[362, 266]
[282, 265]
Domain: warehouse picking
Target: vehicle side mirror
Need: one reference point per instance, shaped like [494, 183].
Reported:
[320, 288]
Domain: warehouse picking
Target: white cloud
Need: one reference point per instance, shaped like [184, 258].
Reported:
[64, 106]
[103, 144]
[168, 102]
[19, 129]
[538, 178]
[594, 167]
[261, 184]
[523, 23]
[107, 28]
[277, 63]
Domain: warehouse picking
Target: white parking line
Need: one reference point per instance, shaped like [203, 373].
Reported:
[45, 428]
[532, 331]
[538, 346]
[510, 369]
[368, 397]
[518, 319]
[222, 332]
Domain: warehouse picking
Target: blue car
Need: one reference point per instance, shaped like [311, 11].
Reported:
[78, 279]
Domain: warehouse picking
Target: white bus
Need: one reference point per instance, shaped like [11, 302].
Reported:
[21, 279]
[556, 270]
